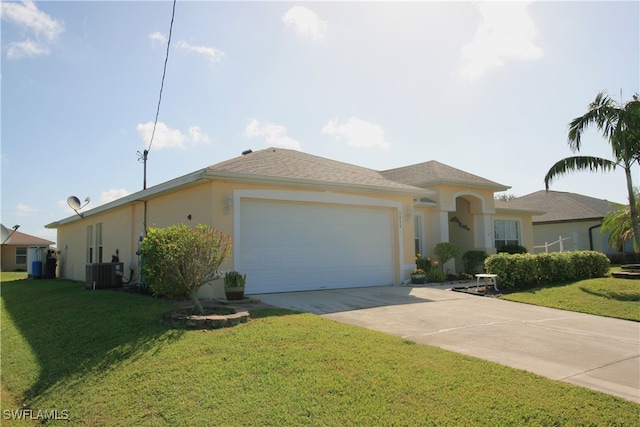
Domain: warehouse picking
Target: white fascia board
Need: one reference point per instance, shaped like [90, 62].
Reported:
[314, 184]
[519, 211]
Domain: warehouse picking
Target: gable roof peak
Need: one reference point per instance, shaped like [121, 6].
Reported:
[433, 172]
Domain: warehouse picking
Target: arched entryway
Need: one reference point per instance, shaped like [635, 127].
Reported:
[470, 226]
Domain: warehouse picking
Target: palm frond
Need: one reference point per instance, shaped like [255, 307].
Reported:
[603, 112]
[575, 164]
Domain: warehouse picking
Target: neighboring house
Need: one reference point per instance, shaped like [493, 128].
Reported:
[574, 217]
[302, 222]
[15, 246]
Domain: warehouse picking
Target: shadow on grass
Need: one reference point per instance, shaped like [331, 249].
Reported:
[74, 332]
[258, 313]
[618, 296]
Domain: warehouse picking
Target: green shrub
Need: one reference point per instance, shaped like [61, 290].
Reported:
[435, 275]
[178, 260]
[522, 270]
[423, 263]
[446, 251]
[233, 279]
[473, 261]
[513, 249]
[464, 276]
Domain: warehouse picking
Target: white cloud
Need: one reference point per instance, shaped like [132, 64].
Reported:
[506, 32]
[26, 49]
[111, 195]
[276, 135]
[158, 38]
[196, 135]
[306, 22]
[357, 133]
[43, 27]
[24, 210]
[167, 138]
[212, 55]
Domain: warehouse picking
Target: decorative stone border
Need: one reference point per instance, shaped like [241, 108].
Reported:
[214, 317]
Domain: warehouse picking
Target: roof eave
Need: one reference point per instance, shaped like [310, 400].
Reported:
[563, 221]
[140, 196]
[520, 211]
[495, 187]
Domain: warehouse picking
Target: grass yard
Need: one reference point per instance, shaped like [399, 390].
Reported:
[105, 359]
[606, 296]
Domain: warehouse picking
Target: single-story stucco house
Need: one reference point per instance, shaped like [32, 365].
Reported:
[15, 248]
[574, 217]
[302, 222]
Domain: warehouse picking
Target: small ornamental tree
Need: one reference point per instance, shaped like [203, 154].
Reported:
[179, 259]
[446, 251]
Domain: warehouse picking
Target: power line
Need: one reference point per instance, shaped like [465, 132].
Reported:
[143, 157]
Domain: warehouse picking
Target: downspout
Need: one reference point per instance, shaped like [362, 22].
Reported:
[591, 237]
[144, 219]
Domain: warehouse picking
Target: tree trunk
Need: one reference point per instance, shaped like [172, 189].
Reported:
[633, 209]
[196, 302]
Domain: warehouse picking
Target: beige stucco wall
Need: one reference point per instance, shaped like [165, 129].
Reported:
[210, 203]
[8, 255]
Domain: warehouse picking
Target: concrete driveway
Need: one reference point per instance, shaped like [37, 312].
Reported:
[590, 351]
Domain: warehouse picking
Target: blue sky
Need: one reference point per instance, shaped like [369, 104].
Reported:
[488, 88]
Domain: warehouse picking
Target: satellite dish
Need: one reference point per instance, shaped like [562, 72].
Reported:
[74, 203]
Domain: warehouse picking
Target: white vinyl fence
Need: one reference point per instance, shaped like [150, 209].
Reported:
[559, 242]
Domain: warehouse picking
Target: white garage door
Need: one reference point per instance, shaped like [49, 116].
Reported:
[287, 246]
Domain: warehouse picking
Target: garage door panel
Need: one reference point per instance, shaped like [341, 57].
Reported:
[287, 246]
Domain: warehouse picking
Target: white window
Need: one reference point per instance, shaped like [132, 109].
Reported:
[506, 233]
[99, 238]
[90, 244]
[21, 256]
[417, 229]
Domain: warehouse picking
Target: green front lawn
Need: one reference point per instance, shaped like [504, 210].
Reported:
[105, 358]
[606, 296]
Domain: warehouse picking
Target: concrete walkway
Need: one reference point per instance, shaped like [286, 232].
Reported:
[590, 351]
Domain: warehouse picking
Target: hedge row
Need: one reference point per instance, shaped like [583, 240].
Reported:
[522, 270]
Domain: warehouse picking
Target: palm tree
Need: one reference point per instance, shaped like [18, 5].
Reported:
[618, 224]
[620, 125]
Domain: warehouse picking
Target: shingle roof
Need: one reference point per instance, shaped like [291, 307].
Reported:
[22, 239]
[562, 206]
[296, 165]
[433, 172]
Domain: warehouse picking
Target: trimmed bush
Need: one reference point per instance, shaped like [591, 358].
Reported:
[473, 261]
[179, 259]
[523, 270]
[446, 251]
[512, 249]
